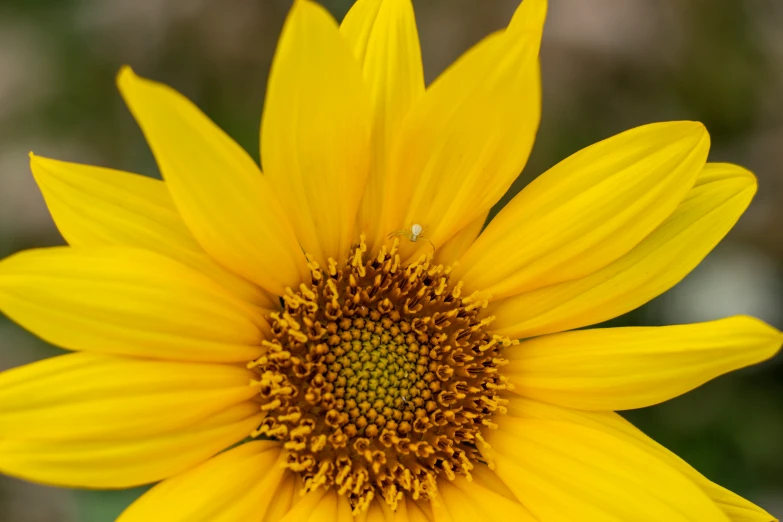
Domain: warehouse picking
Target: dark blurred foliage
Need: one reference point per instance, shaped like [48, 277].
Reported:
[608, 65]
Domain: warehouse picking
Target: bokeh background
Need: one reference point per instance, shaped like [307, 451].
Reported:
[608, 65]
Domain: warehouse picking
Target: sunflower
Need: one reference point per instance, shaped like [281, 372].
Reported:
[336, 338]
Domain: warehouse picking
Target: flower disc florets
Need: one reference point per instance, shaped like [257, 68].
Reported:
[379, 378]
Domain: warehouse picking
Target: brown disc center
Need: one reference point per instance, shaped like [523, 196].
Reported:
[379, 378]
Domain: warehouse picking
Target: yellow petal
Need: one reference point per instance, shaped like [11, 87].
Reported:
[315, 133]
[219, 191]
[462, 500]
[566, 471]
[460, 242]
[408, 510]
[123, 301]
[735, 507]
[83, 396]
[379, 511]
[344, 509]
[490, 479]
[235, 486]
[320, 506]
[94, 206]
[709, 210]
[624, 368]
[385, 41]
[414, 512]
[287, 494]
[528, 17]
[586, 211]
[468, 138]
[125, 463]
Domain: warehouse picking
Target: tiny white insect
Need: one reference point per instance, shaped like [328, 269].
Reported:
[416, 231]
[413, 234]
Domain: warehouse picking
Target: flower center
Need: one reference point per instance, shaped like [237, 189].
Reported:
[379, 378]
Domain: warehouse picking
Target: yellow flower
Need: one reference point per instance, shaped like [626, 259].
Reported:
[343, 311]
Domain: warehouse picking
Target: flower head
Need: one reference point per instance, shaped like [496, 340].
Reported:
[342, 320]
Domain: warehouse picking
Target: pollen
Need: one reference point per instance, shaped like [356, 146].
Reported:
[379, 378]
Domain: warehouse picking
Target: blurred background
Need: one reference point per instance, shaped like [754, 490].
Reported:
[608, 65]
